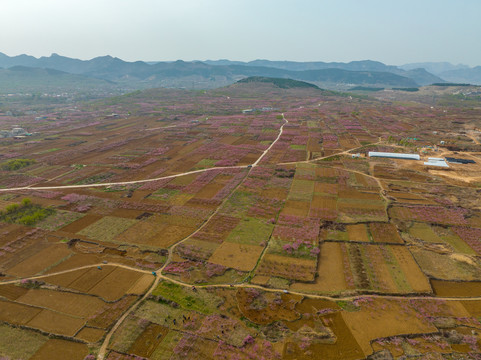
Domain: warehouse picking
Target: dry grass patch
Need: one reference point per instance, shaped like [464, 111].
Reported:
[90, 278]
[265, 307]
[107, 228]
[287, 267]
[274, 193]
[385, 233]
[326, 188]
[409, 198]
[81, 223]
[446, 267]
[141, 285]
[237, 256]
[424, 232]
[296, 208]
[209, 191]
[324, 202]
[446, 288]
[251, 231]
[40, 261]
[12, 292]
[383, 318]
[416, 278]
[143, 232]
[358, 232]
[19, 314]
[116, 284]
[56, 349]
[358, 195]
[148, 340]
[326, 172]
[63, 302]
[156, 232]
[75, 261]
[330, 274]
[11, 337]
[56, 323]
[195, 249]
[126, 213]
[90, 335]
[345, 346]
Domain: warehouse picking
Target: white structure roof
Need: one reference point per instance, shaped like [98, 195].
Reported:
[436, 162]
[394, 155]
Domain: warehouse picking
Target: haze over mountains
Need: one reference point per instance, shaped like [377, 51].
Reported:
[454, 73]
[110, 71]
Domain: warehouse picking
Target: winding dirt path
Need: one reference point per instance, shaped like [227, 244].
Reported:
[37, 277]
[60, 187]
[345, 152]
[104, 346]
[273, 143]
[160, 276]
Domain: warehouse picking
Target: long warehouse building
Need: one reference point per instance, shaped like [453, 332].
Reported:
[394, 155]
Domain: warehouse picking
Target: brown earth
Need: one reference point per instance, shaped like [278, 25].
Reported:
[12, 292]
[238, 256]
[296, 208]
[56, 349]
[19, 314]
[383, 318]
[115, 284]
[209, 191]
[287, 267]
[330, 277]
[357, 232]
[415, 277]
[40, 261]
[147, 342]
[260, 307]
[345, 347]
[63, 302]
[385, 233]
[90, 335]
[81, 223]
[57, 323]
[324, 202]
[446, 288]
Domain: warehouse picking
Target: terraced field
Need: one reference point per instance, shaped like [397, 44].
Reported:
[186, 228]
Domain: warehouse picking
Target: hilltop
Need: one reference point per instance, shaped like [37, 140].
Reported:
[281, 83]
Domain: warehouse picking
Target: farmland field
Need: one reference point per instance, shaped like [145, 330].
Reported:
[185, 228]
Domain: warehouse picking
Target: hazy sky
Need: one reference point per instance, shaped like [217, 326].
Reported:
[392, 31]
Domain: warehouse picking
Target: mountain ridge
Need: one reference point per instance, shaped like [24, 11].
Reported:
[39, 80]
[210, 74]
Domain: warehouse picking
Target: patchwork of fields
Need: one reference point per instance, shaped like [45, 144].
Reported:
[156, 234]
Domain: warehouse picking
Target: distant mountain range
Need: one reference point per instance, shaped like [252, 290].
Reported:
[37, 80]
[418, 75]
[211, 74]
[452, 73]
